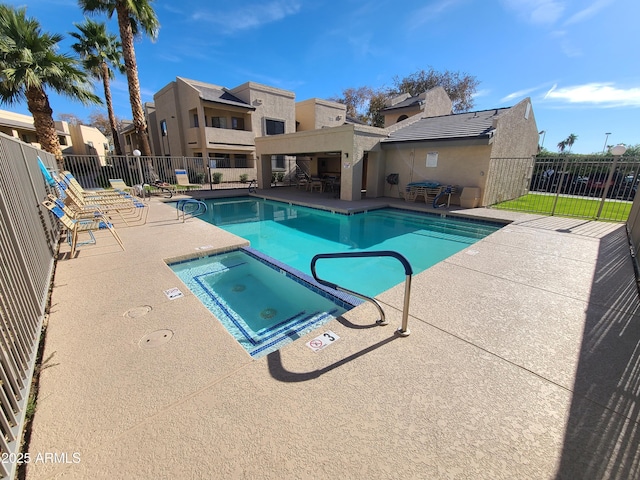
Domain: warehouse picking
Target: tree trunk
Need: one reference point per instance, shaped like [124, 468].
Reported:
[129, 54]
[112, 116]
[38, 104]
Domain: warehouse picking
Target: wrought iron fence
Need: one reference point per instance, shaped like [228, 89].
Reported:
[595, 187]
[94, 171]
[28, 242]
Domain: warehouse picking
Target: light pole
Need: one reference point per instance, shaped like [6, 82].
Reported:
[605, 141]
[543, 133]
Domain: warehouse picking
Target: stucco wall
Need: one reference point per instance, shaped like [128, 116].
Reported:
[508, 178]
[168, 109]
[270, 103]
[316, 113]
[350, 140]
[83, 135]
[436, 103]
[465, 166]
[516, 136]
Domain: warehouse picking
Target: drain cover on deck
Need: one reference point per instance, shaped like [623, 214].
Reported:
[155, 339]
[136, 312]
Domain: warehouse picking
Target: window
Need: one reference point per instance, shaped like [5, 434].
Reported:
[196, 122]
[240, 160]
[237, 123]
[163, 128]
[220, 160]
[127, 139]
[274, 127]
[219, 122]
[277, 162]
[63, 140]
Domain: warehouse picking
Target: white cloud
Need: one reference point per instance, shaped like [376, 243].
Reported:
[588, 12]
[596, 94]
[250, 16]
[538, 12]
[431, 12]
[524, 92]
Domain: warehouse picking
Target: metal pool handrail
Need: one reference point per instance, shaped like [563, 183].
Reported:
[408, 271]
[201, 208]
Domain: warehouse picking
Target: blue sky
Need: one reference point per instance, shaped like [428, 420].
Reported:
[578, 60]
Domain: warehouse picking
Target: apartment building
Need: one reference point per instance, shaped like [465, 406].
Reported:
[198, 119]
[74, 139]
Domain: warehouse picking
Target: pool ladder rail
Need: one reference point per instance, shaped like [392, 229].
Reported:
[191, 207]
[408, 271]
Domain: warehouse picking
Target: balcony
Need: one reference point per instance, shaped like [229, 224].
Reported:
[219, 136]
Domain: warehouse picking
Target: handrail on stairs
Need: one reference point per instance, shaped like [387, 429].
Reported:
[190, 206]
[408, 271]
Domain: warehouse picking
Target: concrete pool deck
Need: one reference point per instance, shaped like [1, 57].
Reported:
[522, 363]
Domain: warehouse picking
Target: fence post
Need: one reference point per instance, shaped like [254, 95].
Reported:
[559, 187]
[605, 189]
[139, 165]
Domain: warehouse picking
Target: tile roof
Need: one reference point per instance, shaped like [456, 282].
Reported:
[219, 95]
[469, 125]
[409, 102]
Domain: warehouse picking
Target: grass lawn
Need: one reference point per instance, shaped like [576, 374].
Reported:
[568, 206]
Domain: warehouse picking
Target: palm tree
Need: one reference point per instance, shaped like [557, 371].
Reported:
[562, 145]
[132, 15]
[99, 50]
[570, 140]
[29, 63]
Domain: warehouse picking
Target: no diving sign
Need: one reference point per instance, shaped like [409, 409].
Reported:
[322, 341]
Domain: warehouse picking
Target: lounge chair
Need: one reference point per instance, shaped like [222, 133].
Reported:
[119, 184]
[129, 208]
[182, 178]
[75, 226]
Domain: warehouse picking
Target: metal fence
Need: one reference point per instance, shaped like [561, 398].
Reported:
[94, 171]
[587, 187]
[28, 242]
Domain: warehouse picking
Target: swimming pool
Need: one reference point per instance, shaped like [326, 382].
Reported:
[262, 305]
[294, 234]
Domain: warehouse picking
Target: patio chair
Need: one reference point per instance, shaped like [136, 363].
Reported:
[302, 181]
[182, 178]
[75, 226]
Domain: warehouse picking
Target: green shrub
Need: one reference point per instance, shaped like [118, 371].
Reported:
[217, 177]
[244, 178]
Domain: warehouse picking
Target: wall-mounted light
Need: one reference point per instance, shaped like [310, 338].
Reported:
[346, 154]
[339, 117]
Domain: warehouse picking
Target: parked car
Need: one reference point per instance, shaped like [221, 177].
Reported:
[597, 183]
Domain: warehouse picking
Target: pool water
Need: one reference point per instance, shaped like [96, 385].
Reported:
[262, 305]
[294, 234]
